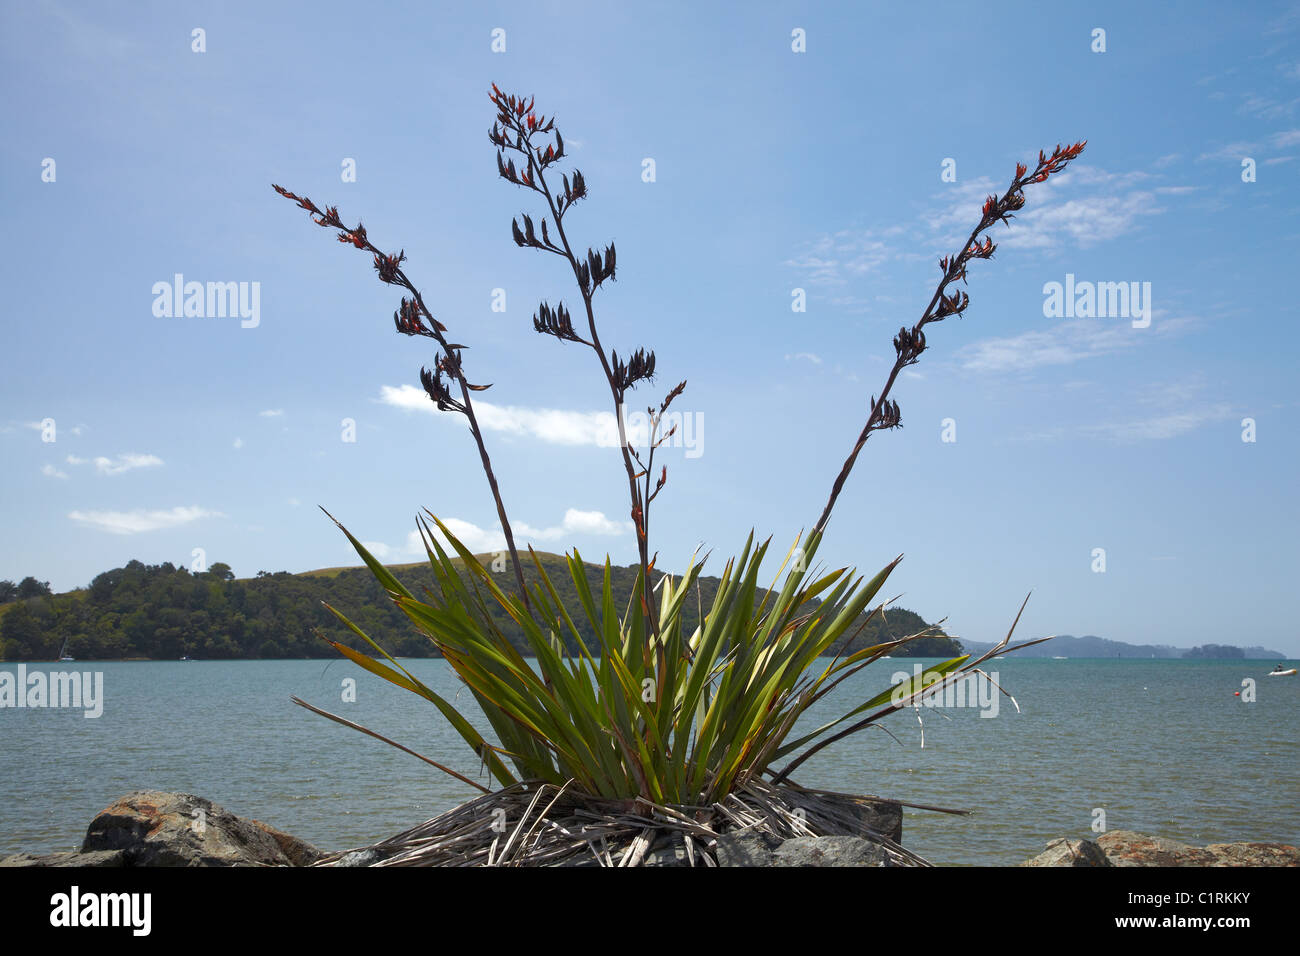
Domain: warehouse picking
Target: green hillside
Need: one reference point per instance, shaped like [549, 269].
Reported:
[162, 612]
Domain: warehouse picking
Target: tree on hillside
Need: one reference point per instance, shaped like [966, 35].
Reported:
[29, 587]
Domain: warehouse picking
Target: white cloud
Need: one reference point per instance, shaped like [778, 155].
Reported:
[577, 522]
[1061, 343]
[1232, 151]
[1265, 107]
[557, 426]
[139, 520]
[50, 471]
[1161, 426]
[478, 540]
[1084, 221]
[380, 550]
[238, 443]
[116, 466]
[40, 426]
[806, 356]
[124, 463]
[272, 413]
[1111, 205]
[489, 540]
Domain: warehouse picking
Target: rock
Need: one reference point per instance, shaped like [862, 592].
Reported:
[156, 828]
[747, 848]
[851, 815]
[1126, 848]
[71, 858]
[359, 858]
[1070, 853]
[1254, 854]
[882, 816]
[758, 848]
[670, 850]
[830, 851]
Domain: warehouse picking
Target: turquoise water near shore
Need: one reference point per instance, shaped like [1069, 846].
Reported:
[1162, 746]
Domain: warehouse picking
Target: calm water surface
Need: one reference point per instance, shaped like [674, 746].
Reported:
[1162, 746]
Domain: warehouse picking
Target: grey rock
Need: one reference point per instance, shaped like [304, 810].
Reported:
[831, 851]
[759, 848]
[1065, 852]
[158, 828]
[669, 851]
[99, 858]
[747, 848]
[882, 816]
[850, 815]
[360, 858]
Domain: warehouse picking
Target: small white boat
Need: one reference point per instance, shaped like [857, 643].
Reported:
[1290, 673]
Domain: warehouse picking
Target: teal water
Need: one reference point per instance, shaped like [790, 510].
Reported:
[1162, 746]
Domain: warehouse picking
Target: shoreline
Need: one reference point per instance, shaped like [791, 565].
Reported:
[149, 828]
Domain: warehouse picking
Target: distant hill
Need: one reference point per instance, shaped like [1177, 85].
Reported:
[163, 612]
[1093, 646]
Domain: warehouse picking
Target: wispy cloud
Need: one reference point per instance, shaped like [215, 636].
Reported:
[1083, 222]
[125, 463]
[482, 540]
[1267, 108]
[804, 356]
[557, 426]
[49, 471]
[141, 520]
[1112, 205]
[272, 413]
[1236, 151]
[1158, 427]
[1062, 343]
[118, 465]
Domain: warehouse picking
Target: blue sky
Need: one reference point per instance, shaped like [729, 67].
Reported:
[775, 170]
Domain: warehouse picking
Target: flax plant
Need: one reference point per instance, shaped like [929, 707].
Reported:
[601, 750]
